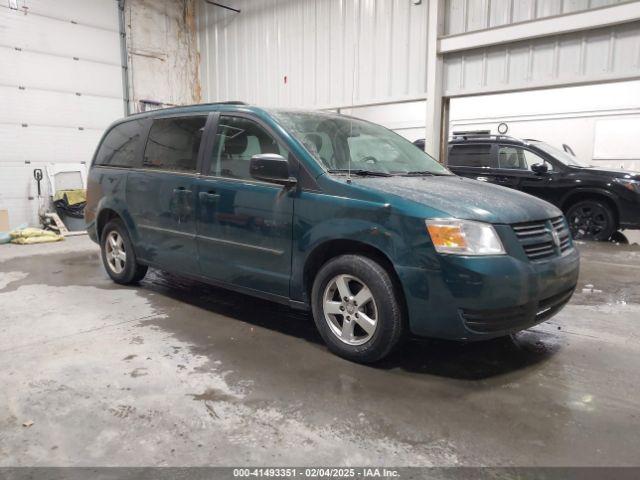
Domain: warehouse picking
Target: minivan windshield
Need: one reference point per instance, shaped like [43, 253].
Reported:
[561, 155]
[342, 143]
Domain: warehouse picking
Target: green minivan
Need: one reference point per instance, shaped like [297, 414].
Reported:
[326, 213]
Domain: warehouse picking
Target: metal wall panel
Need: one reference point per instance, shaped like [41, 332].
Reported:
[38, 33]
[63, 74]
[60, 86]
[462, 16]
[47, 144]
[611, 53]
[313, 53]
[95, 13]
[55, 109]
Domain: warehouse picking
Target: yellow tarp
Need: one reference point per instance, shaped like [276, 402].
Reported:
[27, 236]
[74, 197]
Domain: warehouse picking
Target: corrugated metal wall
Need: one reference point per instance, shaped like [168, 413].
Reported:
[463, 16]
[611, 53]
[313, 53]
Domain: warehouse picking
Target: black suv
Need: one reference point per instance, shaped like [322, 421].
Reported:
[596, 201]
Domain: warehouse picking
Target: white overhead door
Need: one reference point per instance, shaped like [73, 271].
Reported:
[60, 87]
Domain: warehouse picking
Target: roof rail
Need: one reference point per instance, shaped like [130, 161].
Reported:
[489, 136]
[176, 107]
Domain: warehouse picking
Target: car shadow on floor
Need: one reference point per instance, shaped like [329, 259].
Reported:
[450, 359]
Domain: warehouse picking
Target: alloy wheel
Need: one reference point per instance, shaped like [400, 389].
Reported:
[115, 252]
[588, 221]
[350, 309]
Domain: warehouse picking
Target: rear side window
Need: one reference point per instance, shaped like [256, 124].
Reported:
[470, 156]
[119, 147]
[173, 143]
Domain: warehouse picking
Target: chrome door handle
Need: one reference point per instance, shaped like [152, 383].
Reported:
[483, 179]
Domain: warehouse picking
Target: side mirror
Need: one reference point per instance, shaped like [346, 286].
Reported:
[539, 168]
[271, 167]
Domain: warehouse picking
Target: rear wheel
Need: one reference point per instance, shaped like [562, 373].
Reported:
[591, 220]
[118, 256]
[356, 308]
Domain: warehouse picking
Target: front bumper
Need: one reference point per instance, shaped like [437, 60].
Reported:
[465, 298]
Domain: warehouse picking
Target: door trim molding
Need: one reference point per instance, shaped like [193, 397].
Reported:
[166, 230]
[272, 251]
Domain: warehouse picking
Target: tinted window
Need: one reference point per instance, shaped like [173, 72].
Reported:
[173, 143]
[470, 156]
[120, 145]
[516, 158]
[237, 140]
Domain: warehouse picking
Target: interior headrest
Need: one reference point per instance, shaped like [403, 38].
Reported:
[235, 145]
[315, 139]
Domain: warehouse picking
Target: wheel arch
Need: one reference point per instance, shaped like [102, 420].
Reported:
[104, 217]
[330, 249]
[580, 195]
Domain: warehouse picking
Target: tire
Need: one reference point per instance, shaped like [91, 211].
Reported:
[346, 326]
[118, 255]
[591, 220]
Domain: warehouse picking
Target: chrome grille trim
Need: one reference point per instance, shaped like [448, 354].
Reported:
[537, 239]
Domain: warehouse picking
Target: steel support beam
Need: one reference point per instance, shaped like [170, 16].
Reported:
[435, 68]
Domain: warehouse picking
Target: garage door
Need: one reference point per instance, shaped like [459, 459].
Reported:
[60, 86]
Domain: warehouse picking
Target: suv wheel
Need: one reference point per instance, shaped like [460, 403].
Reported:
[356, 308]
[118, 256]
[591, 220]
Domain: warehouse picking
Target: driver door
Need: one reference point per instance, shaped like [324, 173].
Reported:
[514, 171]
[244, 225]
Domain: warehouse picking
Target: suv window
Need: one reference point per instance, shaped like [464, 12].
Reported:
[517, 158]
[237, 140]
[478, 155]
[173, 143]
[120, 145]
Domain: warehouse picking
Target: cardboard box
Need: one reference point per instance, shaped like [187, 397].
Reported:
[4, 220]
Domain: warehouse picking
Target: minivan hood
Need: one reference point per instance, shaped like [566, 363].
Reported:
[464, 198]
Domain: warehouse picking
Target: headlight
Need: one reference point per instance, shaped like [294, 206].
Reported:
[464, 237]
[633, 185]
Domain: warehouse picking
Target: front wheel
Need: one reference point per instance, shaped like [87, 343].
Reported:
[357, 309]
[118, 256]
[591, 220]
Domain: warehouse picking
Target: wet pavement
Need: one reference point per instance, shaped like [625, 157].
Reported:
[175, 372]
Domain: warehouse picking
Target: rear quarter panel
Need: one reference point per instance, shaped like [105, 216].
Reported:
[106, 187]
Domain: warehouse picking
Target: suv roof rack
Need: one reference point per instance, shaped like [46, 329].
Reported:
[489, 136]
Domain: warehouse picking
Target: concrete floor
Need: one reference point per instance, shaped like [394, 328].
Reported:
[178, 373]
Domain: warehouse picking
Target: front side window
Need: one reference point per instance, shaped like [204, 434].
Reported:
[517, 158]
[237, 140]
[512, 158]
[173, 143]
[119, 147]
[343, 143]
[466, 155]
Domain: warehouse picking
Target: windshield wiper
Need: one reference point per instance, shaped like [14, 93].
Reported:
[364, 173]
[418, 173]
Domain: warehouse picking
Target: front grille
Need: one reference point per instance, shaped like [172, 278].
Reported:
[515, 318]
[538, 239]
